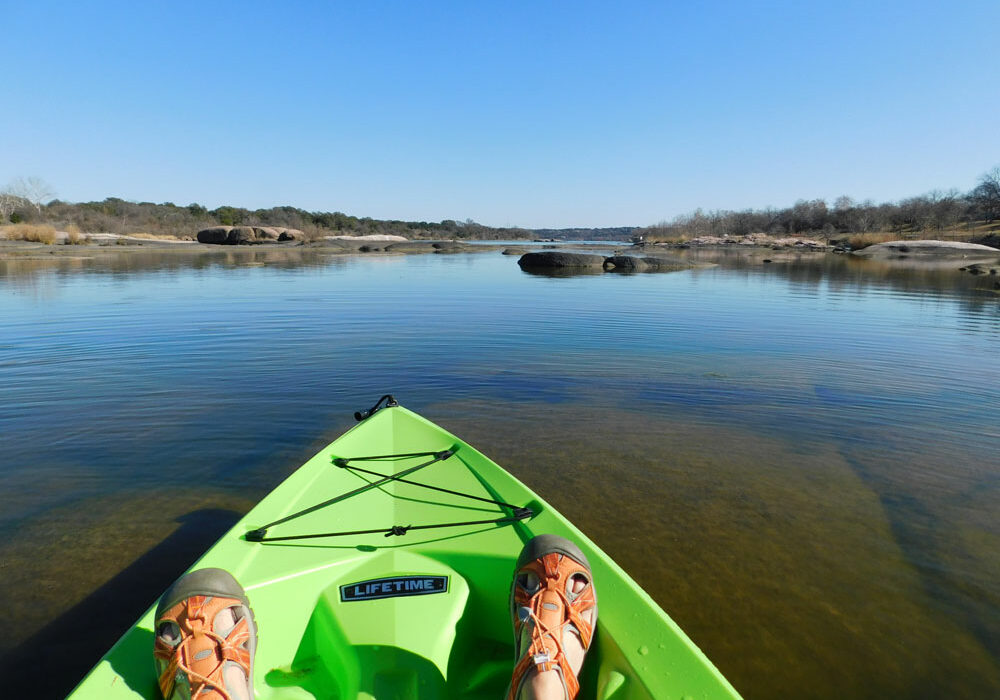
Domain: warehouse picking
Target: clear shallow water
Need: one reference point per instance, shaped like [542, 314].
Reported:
[798, 460]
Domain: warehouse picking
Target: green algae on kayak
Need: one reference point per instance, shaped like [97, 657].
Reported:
[381, 569]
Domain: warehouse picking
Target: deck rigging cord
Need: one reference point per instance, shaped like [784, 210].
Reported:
[517, 512]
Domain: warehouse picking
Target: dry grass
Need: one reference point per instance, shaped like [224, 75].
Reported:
[671, 239]
[35, 233]
[857, 241]
[152, 236]
[72, 228]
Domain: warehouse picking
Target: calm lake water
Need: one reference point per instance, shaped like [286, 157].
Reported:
[800, 461]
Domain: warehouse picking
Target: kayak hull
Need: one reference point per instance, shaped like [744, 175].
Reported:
[422, 614]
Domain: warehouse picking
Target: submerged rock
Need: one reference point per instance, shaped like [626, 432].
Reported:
[667, 265]
[410, 247]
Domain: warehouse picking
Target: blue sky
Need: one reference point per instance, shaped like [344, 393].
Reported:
[540, 114]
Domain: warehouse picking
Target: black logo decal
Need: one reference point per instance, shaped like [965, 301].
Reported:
[393, 587]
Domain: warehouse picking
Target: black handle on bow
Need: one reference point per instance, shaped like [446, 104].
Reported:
[389, 400]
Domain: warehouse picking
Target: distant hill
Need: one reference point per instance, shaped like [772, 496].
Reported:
[619, 233]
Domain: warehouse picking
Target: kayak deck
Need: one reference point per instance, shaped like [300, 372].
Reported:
[420, 614]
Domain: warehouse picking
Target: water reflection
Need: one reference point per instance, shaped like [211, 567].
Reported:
[801, 267]
[796, 458]
[850, 272]
[132, 261]
[753, 543]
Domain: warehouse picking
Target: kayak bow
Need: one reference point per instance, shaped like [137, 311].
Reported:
[381, 569]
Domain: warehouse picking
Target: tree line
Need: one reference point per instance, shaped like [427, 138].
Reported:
[933, 212]
[25, 202]
[30, 200]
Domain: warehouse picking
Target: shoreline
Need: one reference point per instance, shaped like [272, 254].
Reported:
[109, 245]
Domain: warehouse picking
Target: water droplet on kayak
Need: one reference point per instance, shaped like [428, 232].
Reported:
[643, 650]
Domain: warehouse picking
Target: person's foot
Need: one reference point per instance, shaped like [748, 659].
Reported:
[205, 638]
[554, 609]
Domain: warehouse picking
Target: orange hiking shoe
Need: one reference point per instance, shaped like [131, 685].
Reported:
[205, 638]
[548, 613]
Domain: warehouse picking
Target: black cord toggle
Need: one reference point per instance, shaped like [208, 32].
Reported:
[256, 535]
[397, 530]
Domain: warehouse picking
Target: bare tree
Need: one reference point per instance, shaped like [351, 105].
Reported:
[9, 203]
[843, 203]
[33, 190]
[986, 195]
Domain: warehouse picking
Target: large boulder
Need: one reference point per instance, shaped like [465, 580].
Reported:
[241, 235]
[266, 233]
[625, 263]
[248, 235]
[215, 234]
[548, 260]
[927, 249]
[628, 263]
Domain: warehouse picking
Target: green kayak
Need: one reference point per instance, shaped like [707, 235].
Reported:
[381, 569]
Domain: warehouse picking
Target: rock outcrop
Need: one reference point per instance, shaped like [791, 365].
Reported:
[266, 233]
[248, 235]
[386, 237]
[927, 249]
[556, 261]
[625, 263]
[569, 262]
[241, 235]
[628, 263]
[216, 234]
